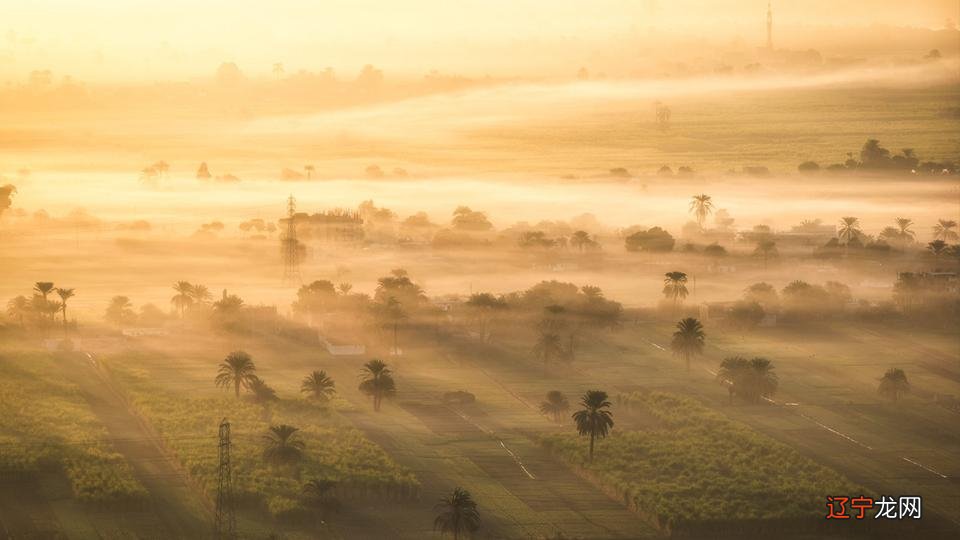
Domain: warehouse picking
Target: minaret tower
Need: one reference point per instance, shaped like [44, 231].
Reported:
[769, 27]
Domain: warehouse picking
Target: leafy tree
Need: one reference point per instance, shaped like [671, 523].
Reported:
[555, 405]
[581, 240]
[746, 314]
[594, 419]
[701, 206]
[893, 384]
[318, 385]
[763, 294]
[282, 446]
[938, 248]
[237, 370]
[675, 287]
[184, 297]
[766, 249]
[458, 514]
[808, 167]
[17, 308]
[65, 294]
[944, 230]
[654, 240]
[484, 305]
[465, 219]
[120, 311]
[377, 381]
[688, 340]
[316, 298]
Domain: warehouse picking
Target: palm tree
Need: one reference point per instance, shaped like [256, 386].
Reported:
[849, 229]
[319, 385]
[595, 418]
[262, 392]
[688, 340]
[937, 247]
[701, 206]
[457, 514]
[906, 234]
[675, 287]
[281, 445]
[893, 384]
[64, 294]
[183, 299]
[200, 294]
[377, 381]
[549, 346]
[316, 494]
[17, 308]
[43, 288]
[730, 371]
[944, 230]
[237, 370]
[555, 404]
[755, 380]
[766, 249]
[309, 169]
[580, 239]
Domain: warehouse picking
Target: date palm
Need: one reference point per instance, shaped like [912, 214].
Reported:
[183, 299]
[849, 229]
[282, 445]
[906, 233]
[701, 206]
[675, 287]
[17, 308]
[377, 381]
[64, 294]
[594, 419]
[316, 495]
[318, 385]
[938, 248]
[43, 288]
[200, 294]
[237, 370]
[893, 384]
[766, 249]
[688, 340]
[549, 347]
[555, 405]
[580, 239]
[458, 514]
[944, 230]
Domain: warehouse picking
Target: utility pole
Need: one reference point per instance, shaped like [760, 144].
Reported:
[290, 247]
[226, 522]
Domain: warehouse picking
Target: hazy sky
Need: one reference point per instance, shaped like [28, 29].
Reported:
[158, 39]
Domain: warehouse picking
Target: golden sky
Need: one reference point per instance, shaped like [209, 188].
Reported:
[160, 39]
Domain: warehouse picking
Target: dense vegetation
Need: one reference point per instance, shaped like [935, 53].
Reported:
[334, 451]
[698, 467]
[63, 435]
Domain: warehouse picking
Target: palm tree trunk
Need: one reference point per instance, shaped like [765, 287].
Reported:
[236, 388]
[64, 320]
[591, 447]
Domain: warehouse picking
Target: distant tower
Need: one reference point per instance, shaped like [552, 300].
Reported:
[769, 27]
[226, 522]
[290, 246]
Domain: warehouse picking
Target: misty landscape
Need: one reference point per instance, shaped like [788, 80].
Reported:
[593, 270]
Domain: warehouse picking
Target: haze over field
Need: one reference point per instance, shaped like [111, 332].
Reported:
[470, 269]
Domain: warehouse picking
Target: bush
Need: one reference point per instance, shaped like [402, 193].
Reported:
[654, 239]
[808, 167]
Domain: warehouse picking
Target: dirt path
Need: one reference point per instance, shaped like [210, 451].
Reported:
[179, 511]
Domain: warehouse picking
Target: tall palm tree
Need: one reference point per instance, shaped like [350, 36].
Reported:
[281, 445]
[237, 370]
[64, 294]
[893, 384]
[183, 299]
[458, 514]
[261, 391]
[595, 418]
[938, 248]
[580, 239]
[944, 230]
[43, 288]
[319, 385]
[309, 169]
[17, 308]
[549, 347]
[555, 404]
[848, 229]
[688, 340]
[766, 249]
[377, 381]
[675, 287]
[906, 233]
[701, 206]
[756, 380]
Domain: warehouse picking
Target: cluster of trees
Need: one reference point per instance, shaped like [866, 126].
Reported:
[750, 380]
[874, 157]
[41, 309]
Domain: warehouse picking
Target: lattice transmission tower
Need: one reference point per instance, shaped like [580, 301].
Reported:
[290, 248]
[225, 526]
